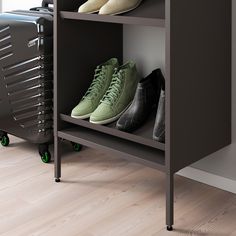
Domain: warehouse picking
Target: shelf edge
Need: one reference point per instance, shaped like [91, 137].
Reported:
[130, 20]
[66, 135]
[106, 130]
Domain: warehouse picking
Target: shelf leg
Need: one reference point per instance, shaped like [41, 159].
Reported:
[169, 201]
[57, 159]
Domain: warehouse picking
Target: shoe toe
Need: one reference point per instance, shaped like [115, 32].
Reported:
[159, 137]
[92, 6]
[83, 109]
[122, 127]
[125, 124]
[108, 9]
[118, 6]
[87, 8]
[78, 112]
[102, 113]
[83, 8]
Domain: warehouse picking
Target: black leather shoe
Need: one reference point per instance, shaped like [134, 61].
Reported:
[159, 128]
[146, 98]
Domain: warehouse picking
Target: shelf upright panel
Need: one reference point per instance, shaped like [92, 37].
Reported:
[60, 32]
[169, 182]
[198, 84]
[199, 79]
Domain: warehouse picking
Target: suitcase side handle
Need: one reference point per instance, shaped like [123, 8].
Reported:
[42, 9]
[45, 3]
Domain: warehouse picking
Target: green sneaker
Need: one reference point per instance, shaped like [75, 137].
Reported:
[119, 95]
[96, 91]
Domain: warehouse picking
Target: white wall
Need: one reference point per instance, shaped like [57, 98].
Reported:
[148, 52]
[8, 5]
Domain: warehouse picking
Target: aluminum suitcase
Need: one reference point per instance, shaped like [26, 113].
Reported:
[26, 77]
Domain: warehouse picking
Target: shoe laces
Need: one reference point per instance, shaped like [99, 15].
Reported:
[115, 88]
[97, 84]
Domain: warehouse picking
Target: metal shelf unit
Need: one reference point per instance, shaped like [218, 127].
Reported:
[198, 82]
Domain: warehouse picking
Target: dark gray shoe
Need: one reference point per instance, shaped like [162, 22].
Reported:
[159, 128]
[146, 98]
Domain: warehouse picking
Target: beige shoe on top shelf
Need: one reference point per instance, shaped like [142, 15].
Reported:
[92, 6]
[115, 7]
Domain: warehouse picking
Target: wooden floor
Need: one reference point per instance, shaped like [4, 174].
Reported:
[102, 196]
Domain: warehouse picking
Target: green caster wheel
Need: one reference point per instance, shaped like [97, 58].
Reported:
[76, 146]
[5, 141]
[46, 157]
[44, 153]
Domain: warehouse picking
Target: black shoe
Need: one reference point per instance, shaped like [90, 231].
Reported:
[159, 128]
[146, 97]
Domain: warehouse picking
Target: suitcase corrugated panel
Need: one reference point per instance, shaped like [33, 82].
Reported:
[26, 75]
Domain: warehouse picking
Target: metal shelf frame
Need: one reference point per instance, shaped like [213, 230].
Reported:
[198, 81]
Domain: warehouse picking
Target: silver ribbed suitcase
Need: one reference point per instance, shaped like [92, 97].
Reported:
[26, 77]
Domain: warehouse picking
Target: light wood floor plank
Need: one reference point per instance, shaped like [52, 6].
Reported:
[102, 196]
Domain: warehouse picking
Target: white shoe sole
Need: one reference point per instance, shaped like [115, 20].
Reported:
[110, 120]
[82, 117]
[131, 9]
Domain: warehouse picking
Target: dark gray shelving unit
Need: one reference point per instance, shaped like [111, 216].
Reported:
[198, 82]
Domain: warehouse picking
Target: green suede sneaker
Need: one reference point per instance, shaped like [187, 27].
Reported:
[96, 91]
[119, 95]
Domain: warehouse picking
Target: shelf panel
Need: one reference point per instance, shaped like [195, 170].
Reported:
[149, 13]
[141, 136]
[123, 148]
